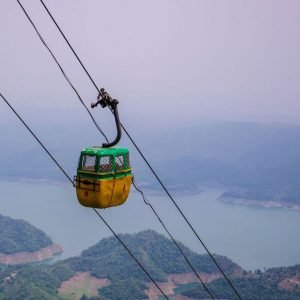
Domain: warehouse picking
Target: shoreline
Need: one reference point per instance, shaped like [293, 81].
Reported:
[31, 257]
[258, 203]
[178, 192]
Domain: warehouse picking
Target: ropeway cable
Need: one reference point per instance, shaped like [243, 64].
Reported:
[174, 241]
[62, 70]
[138, 189]
[71, 181]
[138, 149]
[144, 158]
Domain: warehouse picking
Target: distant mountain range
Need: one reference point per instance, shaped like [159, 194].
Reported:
[251, 161]
[106, 271]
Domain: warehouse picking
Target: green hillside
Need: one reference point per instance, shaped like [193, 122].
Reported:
[107, 260]
[32, 281]
[20, 236]
[275, 284]
[159, 255]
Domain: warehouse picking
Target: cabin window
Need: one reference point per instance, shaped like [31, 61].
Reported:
[89, 163]
[105, 164]
[127, 160]
[119, 163]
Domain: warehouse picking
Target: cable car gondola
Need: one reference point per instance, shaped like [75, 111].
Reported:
[104, 174]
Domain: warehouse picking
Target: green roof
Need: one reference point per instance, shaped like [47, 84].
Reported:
[99, 151]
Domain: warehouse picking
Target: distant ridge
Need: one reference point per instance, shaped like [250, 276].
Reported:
[253, 162]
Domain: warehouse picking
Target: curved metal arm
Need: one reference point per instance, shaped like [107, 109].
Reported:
[104, 99]
[114, 109]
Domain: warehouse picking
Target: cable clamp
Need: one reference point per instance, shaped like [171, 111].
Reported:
[104, 99]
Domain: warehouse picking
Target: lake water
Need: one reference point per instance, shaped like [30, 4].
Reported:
[253, 237]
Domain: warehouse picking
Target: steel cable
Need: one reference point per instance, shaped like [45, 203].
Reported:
[75, 90]
[71, 181]
[138, 149]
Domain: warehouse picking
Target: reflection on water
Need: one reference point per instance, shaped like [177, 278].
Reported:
[251, 236]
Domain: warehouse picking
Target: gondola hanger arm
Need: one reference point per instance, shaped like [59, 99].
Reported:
[104, 99]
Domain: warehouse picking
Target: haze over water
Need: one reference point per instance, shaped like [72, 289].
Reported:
[251, 236]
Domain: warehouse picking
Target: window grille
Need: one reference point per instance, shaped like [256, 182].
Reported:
[119, 163]
[105, 164]
[127, 160]
[89, 163]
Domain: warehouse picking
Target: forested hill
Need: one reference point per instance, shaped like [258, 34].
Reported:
[273, 284]
[159, 254]
[108, 260]
[106, 271]
[20, 236]
[160, 257]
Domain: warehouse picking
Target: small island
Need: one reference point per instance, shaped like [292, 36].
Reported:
[23, 243]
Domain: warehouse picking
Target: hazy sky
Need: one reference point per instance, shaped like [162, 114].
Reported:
[182, 60]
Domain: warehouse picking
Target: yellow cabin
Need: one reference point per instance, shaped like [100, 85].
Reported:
[103, 177]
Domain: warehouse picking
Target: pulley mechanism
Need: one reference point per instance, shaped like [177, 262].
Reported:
[104, 99]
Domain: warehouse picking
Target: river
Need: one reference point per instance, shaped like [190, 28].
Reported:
[253, 237]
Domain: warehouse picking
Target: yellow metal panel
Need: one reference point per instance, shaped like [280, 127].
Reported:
[112, 192]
